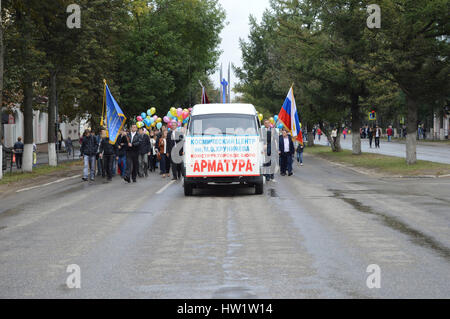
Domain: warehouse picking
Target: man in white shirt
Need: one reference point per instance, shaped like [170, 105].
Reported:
[286, 153]
[132, 155]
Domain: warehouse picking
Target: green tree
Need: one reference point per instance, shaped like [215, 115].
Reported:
[411, 49]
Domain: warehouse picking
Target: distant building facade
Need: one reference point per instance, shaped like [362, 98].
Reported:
[15, 127]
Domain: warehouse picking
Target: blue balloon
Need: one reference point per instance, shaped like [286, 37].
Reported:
[144, 115]
[275, 118]
[152, 120]
[280, 126]
[158, 126]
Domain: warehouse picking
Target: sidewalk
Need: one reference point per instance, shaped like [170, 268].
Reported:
[426, 151]
[42, 159]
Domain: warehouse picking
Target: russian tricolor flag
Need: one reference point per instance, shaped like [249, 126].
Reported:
[289, 116]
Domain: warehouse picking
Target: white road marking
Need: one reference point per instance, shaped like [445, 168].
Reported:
[51, 183]
[164, 188]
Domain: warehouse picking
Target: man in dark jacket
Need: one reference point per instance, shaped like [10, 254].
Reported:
[174, 138]
[18, 150]
[144, 152]
[107, 153]
[122, 144]
[134, 141]
[88, 151]
[286, 152]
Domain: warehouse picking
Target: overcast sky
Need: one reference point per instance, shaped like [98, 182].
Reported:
[238, 12]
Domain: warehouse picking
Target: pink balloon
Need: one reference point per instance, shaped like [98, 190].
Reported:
[179, 112]
[179, 124]
[190, 109]
[185, 115]
[166, 119]
[155, 117]
[139, 118]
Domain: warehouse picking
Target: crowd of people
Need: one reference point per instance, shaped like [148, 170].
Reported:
[136, 153]
[139, 152]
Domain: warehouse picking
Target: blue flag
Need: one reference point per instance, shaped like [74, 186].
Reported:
[115, 119]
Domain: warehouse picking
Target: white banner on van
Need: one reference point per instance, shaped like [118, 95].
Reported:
[222, 156]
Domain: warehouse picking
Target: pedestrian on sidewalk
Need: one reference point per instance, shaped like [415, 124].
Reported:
[300, 149]
[88, 151]
[69, 146]
[107, 153]
[345, 132]
[18, 151]
[389, 133]
[370, 136]
[144, 152]
[319, 133]
[34, 154]
[377, 136]
[5, 151]
[286, 152]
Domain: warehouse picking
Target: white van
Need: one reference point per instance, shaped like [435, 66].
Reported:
[223, 145]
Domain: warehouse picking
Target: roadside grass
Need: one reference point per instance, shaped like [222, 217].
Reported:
[403, 141]
[380, 163]
[9, 178]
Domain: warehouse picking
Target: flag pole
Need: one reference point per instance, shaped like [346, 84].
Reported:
[104, 104]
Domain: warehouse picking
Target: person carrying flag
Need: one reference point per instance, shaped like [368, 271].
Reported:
[288, 116]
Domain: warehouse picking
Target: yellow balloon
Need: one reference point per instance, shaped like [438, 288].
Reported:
[260, 116]
[153, 124]
[153, 110]
[272, 120]
[186, 110]
[139, 124]
[158, 120]
[173, 111]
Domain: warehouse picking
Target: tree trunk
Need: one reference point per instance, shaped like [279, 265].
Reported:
[310, 128]
[1, 91]
[411, 129]
[52, 159]
[28, 125]
[356, 125]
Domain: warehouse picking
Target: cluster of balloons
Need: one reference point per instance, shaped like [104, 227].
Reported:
[180, 116]
[150, 120]
[273, 121]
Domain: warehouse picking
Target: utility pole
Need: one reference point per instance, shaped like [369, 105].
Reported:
[229, 83]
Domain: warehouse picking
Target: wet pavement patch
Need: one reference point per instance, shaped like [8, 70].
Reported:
[133, 213]
[273, 192]
[416, 236]
[234, 293]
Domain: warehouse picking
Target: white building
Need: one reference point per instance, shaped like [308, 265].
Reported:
[15, 128]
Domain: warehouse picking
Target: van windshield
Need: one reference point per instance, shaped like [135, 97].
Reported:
[223, 124]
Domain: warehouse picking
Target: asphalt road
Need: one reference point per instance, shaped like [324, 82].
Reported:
[434, 152]
[311, 235]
